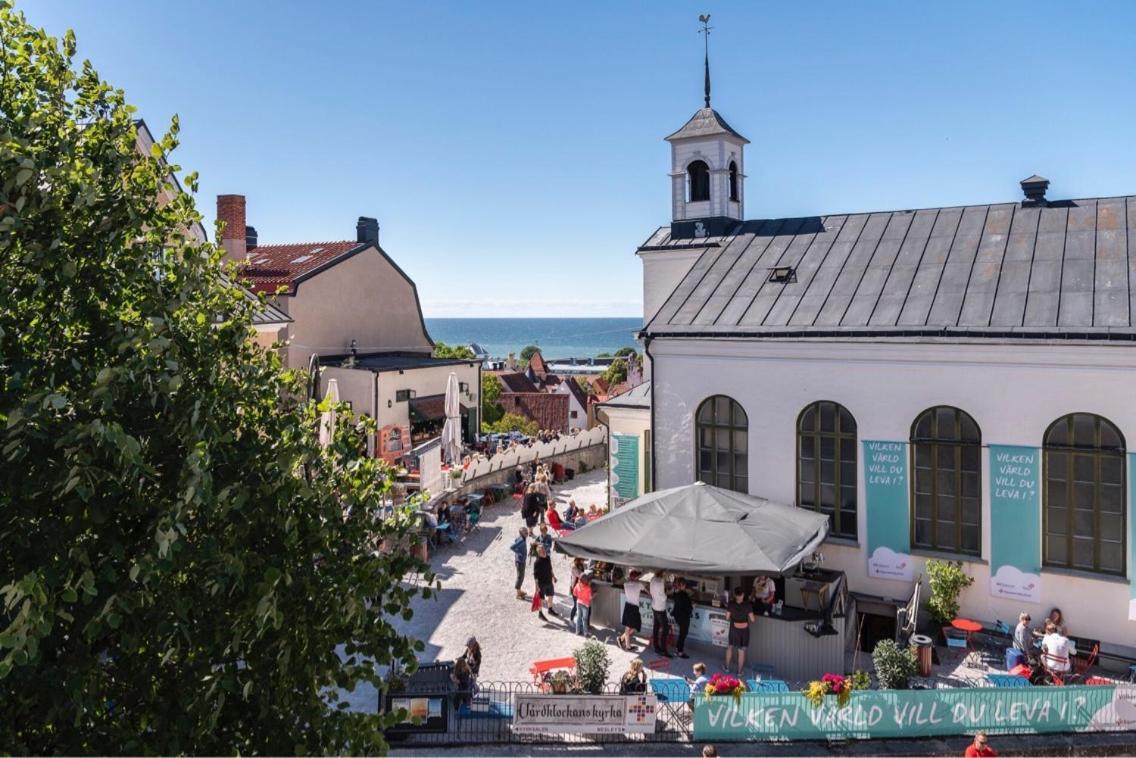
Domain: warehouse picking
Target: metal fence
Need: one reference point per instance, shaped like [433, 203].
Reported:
[485, 716]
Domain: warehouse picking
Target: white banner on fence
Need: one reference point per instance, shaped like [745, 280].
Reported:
[584, 714]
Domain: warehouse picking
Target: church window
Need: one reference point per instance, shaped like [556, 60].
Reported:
[698, 176]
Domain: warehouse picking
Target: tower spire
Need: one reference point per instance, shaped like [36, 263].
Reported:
[705, 32]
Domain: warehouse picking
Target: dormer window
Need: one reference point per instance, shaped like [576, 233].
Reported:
[698, 180]
[733, 181]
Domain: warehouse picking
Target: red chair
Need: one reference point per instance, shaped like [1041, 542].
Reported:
[543, 667]
[1057, 666]
[554, 522]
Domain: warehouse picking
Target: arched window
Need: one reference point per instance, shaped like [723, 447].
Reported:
[946, 446]
[733, 181]
[826, 465]
[1084, 494]
[723, 457]
[698, 181]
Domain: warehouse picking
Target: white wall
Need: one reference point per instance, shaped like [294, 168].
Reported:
[717, 151]
[662, 271]
[580, 420]
[1014, 391]
[635, 421]
[424, 381]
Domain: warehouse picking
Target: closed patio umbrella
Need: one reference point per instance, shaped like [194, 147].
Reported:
[699, 529]
[451, 430]
[327, 418]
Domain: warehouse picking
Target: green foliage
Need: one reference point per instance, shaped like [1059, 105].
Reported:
[491, 410]
[585, 385]
[604, 355]
[616, 372]
[183, 569]
[512, 422]
[592, 665]
[894, 665]
[461, 352]
[947, 582]
[627, 352]
[527, 352]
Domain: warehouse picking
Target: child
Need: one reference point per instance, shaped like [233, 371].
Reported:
[545, 538]
[699, 682]
[583, 595]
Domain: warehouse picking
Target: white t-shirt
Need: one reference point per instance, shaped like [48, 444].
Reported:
[1059, 646]
[658, 594]
[765, 588]
[632, 589]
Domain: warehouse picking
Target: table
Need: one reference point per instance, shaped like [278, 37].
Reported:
[968, 627]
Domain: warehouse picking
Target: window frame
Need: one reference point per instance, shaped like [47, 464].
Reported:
[1098, 453]
[691, 184]
[837, 435]
[957, 445]
[715, 451]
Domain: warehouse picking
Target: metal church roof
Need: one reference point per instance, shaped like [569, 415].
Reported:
[1054, 270]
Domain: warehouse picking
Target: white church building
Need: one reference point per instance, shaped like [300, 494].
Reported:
[945, 383]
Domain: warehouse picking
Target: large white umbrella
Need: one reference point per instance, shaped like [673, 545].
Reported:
[451, 431]
[327, 418]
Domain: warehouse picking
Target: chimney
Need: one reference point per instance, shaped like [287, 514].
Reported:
[367, 230]
[250, 237]
[1034, 190]
[231, 213]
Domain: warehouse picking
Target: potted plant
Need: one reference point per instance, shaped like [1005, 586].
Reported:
[592, 665]
[721, 685]
[894, 665]
[560, 682]
[947, 581]
[835, 684]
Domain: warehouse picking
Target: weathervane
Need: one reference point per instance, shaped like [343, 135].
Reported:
[705, 31]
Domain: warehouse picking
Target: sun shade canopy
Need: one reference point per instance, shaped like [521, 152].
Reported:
[699, 529]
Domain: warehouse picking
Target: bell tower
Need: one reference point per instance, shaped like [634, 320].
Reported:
[707, 168]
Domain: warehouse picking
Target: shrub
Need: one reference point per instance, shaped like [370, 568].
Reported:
[592, 665]
[947, 581]
[894, 665]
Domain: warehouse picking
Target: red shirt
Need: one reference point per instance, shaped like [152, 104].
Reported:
[978, 752]
[583, 593]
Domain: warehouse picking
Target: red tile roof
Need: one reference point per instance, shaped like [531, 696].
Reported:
[271, 267]
[537, 364]
[516, 382]
[549, 411]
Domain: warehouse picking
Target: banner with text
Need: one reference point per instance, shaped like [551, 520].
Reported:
[1132, 537]
[584, 714]
[625, 465]
[1015, 523]
[886, 491]
[872, 714]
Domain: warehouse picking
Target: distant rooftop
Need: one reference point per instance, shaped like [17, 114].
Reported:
[638, 396]
[271, 267]
[393, 361]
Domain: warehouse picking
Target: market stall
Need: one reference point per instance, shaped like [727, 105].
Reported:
[718, 539]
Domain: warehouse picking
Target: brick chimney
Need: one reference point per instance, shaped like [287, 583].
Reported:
[367, 230]
[231, 212]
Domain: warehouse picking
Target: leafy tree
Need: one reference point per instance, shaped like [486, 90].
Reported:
[585, 385]
[604, 355]
[183, 569]
[512, 422]
[616, 372]
[627, 352]
[491, 410]
[527, 352]
[462, 352]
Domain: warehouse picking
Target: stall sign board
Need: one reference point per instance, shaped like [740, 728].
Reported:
[423, 714]
[1015, 523]
[584, 714]
[885, 488]
[873, 714]
[706, 624]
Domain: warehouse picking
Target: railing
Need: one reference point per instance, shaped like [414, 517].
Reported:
[510, 459]
[485, 716]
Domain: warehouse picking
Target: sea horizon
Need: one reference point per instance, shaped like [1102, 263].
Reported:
[557, 337]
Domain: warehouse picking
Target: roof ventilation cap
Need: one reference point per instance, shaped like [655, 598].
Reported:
[1034, 189]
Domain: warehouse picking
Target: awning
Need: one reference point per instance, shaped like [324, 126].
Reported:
[699, 529]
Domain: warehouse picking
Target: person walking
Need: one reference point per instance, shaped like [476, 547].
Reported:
[529, 506]
[582, 595]
[740, 615]
[577, 571]
[520, 548]
[681, 610]
[545, 581]
[660, 628]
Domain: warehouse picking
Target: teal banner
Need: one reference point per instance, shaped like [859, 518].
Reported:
[889, 520]
[1132, 537]
[1015, 523]
[872, 714]
[625, 465]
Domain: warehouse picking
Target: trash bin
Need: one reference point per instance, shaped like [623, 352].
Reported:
[923, 646]
[1014, 657]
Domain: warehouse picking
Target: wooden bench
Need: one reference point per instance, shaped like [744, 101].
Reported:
[543, 667]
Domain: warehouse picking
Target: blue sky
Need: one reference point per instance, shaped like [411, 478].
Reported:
[513, 152]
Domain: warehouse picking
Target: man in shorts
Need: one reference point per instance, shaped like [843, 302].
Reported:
[739, 615]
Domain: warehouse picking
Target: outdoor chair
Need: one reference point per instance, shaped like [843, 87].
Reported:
[761, 670]
[673, 689]
[767, 685]
[473, 519]
[540, 668]
[1008, 680]
[1056, 668]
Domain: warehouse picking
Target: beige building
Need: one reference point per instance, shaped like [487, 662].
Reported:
[627, 418]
